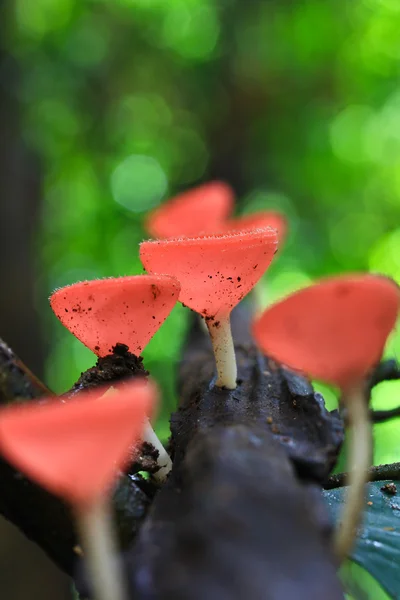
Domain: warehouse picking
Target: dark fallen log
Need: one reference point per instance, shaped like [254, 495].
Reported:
[241, 514]
[42, 517]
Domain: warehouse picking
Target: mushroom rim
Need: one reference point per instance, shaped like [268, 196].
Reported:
[150, 278]
[222, 238]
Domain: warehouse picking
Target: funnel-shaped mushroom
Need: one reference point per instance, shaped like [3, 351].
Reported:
[336, 331]
[199, 210]
[262, 219]
[74, 449]
[103, 312]
[128, 310]
[215, 273]
[271, 218]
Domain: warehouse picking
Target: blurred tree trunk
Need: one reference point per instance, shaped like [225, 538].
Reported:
[25, 571]
[230, 137]
[19, 204]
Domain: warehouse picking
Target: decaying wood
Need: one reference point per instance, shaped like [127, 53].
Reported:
[241, 514]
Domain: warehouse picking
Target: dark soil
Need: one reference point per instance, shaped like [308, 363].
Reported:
[119, 365]
[390, 489]
[146, 460]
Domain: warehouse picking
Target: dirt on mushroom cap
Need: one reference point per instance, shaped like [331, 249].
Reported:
[104, 312]
[215, 272]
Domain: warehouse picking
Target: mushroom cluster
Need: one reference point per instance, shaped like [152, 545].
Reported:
[208, 260]
[215, 273]
[129, 310]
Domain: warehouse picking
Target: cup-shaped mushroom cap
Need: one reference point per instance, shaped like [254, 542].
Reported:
[215, 272]
[199, 210]
[270, 218]
[104, 312]
[75, 448]
[334, 330]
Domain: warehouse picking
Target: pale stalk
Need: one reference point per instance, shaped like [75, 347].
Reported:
[260, 301]
[224, 351]
[203, 324]
[163, 459]
[360, 458]
[150, 436]
[100, 551]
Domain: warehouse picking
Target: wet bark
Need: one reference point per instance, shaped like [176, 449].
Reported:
[241, 514]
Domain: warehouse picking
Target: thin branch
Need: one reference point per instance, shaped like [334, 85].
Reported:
[380, 416]
[387, 370]
[377, 473]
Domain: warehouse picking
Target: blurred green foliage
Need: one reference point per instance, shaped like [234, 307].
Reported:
[296, 103]
[126, 102]
[359, 583]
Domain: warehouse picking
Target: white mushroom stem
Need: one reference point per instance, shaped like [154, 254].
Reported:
[224, 351]
[360, 458]
[99, 549]
[150, 436]
[163, 459]
[203, 325]
[260, 301]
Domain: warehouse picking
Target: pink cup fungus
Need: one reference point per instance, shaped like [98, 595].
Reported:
[271, 218]
[129, 310]
[336, 331]
[215, 273]
[257, 220]
[74, 449]
[103, 312]
[200, 210]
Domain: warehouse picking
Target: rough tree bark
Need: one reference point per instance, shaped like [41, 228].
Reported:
[241, 513]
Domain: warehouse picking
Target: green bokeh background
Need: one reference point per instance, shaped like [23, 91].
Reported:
[127, 102]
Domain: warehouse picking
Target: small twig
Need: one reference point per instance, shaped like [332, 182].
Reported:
[380, 416]
[377, 473]
[387, 370]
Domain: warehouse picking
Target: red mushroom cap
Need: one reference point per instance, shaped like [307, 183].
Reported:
[75, 448]
[104, 312]
[271, 218]
[334, 330]
[199, 210]
[215, 272]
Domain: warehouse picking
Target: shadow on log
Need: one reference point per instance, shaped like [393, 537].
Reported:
[241, 514]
